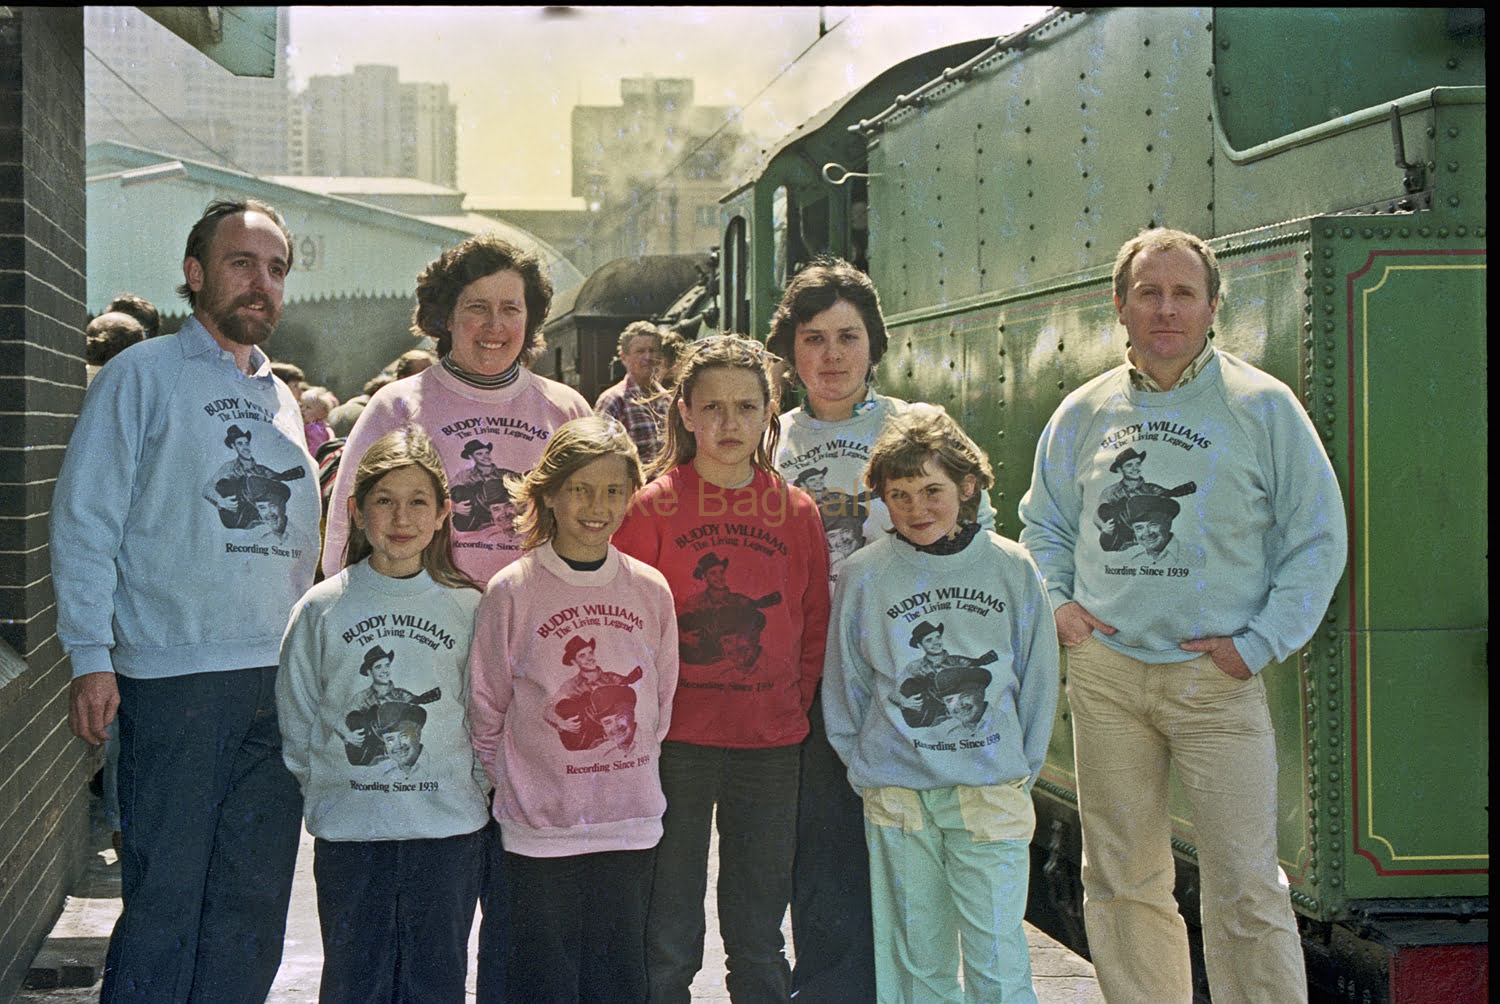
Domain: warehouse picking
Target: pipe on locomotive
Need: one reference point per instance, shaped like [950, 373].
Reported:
[1016, 42]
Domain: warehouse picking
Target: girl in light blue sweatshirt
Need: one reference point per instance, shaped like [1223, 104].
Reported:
[372, 693]
[941, 682]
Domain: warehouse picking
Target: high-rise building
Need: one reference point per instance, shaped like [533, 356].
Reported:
[429, 134]
[651, 169]
[145, 86]
[369, 124]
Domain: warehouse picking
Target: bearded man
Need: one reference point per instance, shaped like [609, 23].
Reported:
[172, 618]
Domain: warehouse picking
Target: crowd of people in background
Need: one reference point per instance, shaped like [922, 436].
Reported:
[500, 650]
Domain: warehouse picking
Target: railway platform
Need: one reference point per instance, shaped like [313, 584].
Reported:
[67, 969]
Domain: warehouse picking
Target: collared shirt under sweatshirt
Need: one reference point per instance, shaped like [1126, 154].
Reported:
[152, 578]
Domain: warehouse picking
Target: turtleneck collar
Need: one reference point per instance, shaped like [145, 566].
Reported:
[483, 382]
[947, 545]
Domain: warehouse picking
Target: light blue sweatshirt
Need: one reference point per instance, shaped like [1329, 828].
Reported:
[170, 553]
[940, 670]
[372, 698]
[1210, 510]
[827, 459]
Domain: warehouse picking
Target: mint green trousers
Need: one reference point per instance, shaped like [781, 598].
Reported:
[948, 876]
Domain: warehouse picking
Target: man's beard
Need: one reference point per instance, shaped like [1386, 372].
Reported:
[247, 330]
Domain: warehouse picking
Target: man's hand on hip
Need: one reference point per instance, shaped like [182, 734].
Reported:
[1075, 624]
[1223, 653]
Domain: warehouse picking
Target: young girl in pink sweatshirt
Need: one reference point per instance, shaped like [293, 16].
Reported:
[573, 669]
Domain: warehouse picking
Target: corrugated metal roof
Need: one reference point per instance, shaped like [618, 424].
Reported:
[141, 205]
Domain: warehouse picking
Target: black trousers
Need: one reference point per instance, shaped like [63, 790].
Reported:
[831, 925]
[396, 916]
[580, 927]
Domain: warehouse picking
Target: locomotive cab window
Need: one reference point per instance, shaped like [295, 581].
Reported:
[781, 236]
[736, 276]
[814, 233]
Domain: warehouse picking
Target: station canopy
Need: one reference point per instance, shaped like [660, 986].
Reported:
[352, 237]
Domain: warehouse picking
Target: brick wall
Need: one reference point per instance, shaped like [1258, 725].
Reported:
[43, 771]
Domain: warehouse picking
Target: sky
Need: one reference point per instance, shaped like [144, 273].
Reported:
[515, 73]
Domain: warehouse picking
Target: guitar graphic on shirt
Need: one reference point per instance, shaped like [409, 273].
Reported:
[363, 722]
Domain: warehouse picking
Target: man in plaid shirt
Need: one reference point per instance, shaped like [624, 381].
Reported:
[633, 402]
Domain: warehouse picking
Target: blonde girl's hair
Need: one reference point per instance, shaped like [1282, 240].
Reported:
[408, 447]
[724, 351]
[573, 446]
[925, 432]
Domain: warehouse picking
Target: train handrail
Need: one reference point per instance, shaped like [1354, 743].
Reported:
[1418, 101]
[1015, 42]
[831, 166]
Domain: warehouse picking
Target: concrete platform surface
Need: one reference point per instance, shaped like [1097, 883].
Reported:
[69, 966]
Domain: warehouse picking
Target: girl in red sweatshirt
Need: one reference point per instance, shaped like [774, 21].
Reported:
[747, 561]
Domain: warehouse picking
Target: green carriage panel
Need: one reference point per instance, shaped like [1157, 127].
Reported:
[1418, 421]
[1409, 299]
[1418, 781]
[1274, 77]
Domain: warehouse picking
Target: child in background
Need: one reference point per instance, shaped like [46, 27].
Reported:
[316, 403]
[372, 695]
[946, 617]
[748, 565]
[574, 666]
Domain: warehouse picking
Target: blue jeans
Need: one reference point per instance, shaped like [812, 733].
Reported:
[210, 821]
[830, 880]
[756, 794]
[584, 937]
[396, 916]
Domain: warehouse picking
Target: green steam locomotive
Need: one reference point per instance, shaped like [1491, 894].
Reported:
[1335, 160]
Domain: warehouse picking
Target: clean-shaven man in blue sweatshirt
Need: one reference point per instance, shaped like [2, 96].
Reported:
[1229, 571]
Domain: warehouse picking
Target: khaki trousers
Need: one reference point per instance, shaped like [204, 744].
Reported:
[1132, 721]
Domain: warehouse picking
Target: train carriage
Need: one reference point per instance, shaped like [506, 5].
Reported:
[582, 333]
[810, 195]
[1335, 160]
